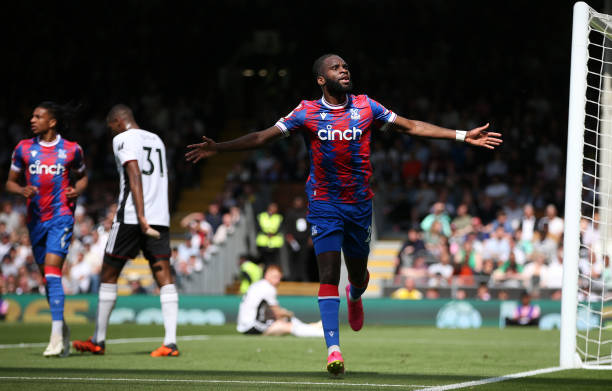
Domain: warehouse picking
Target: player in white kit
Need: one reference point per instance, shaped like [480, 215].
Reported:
[260, 312]
[141, 223]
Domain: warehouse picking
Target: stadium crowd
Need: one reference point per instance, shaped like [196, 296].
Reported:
[484, 203]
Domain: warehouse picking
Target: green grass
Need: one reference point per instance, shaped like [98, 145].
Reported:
[407, 356]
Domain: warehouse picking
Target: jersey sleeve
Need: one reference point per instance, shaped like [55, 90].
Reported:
[17, 162]
[126, 148]
[380, 112]
[270, 295]
[293, 121]
[79, 159]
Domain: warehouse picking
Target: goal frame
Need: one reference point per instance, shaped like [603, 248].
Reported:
[568, 358]
[585, 21]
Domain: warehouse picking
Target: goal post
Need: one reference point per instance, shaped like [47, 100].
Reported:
[573, 184]
[586, 306]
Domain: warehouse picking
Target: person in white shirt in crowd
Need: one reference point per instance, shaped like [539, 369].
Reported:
[554, 222]
[80, 274]
[439, 273]
[528, 222]
[554, 274]
[224, 230]
[5, 244]
[497, 247]
[260, 312]
[10, 216]
[535, 273]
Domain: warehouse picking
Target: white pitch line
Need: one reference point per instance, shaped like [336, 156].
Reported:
[209, 381]
[492, 379]
[110, 341]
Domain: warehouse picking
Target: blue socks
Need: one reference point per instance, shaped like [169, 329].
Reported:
[55, 292]
[329, 304]
[356, 292]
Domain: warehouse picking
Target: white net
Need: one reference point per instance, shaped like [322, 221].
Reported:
[594, 317]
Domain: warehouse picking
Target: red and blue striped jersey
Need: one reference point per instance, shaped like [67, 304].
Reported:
[338, 137]
[46, 165]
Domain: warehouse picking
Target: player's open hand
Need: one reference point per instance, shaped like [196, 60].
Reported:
[481, 138]
[72, 193]
[201, 151]
[29, 191]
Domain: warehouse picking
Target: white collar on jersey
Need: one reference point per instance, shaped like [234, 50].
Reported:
[330, 106]
[49, 143]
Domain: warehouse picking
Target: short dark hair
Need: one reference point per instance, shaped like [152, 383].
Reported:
[119, 110]
[273, 267]
[63, 114]
[318, 64]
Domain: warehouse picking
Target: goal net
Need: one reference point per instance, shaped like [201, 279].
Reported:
[586, 329]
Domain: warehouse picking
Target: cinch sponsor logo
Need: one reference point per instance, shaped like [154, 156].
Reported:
[53, 169]
[336, 134]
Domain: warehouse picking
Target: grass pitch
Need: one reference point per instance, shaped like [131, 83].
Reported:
[377, 358]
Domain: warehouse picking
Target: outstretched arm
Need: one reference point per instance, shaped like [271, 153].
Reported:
[208, 147]
[477, 136]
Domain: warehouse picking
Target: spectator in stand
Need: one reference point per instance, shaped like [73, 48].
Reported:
[412, 247]
[589, 229]
[214, 217]
[435, 241]
[514, 213]
[526, 314]
[269, 238]
[297, 235]
[554, 274]
[545, 244]
[408, 291]
[200, 231]
[432, 293]
[535, 273]
[8, 266]
[488, 267]
[479, 230]
[502, 221]
[497, 247]
[438, 215]
[418, 271]
[467, 262]
[483, 292]
[80, 274]
[462, 223]
[250, 272]
[528, 223]
[522, 249]
[224, 230]
[136, 287]
[440, 273]
[10, 217]
[460, 294]
[554, 223]
[5, 244]
[509, 274]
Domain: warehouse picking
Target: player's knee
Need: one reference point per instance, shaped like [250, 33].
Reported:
[110, 271]
[162, 272]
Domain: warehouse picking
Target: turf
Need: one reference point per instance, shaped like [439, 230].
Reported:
[410, 357]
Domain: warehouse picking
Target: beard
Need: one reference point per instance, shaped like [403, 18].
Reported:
[334, 86]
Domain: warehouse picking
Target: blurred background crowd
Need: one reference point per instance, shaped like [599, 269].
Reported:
[468, 216]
